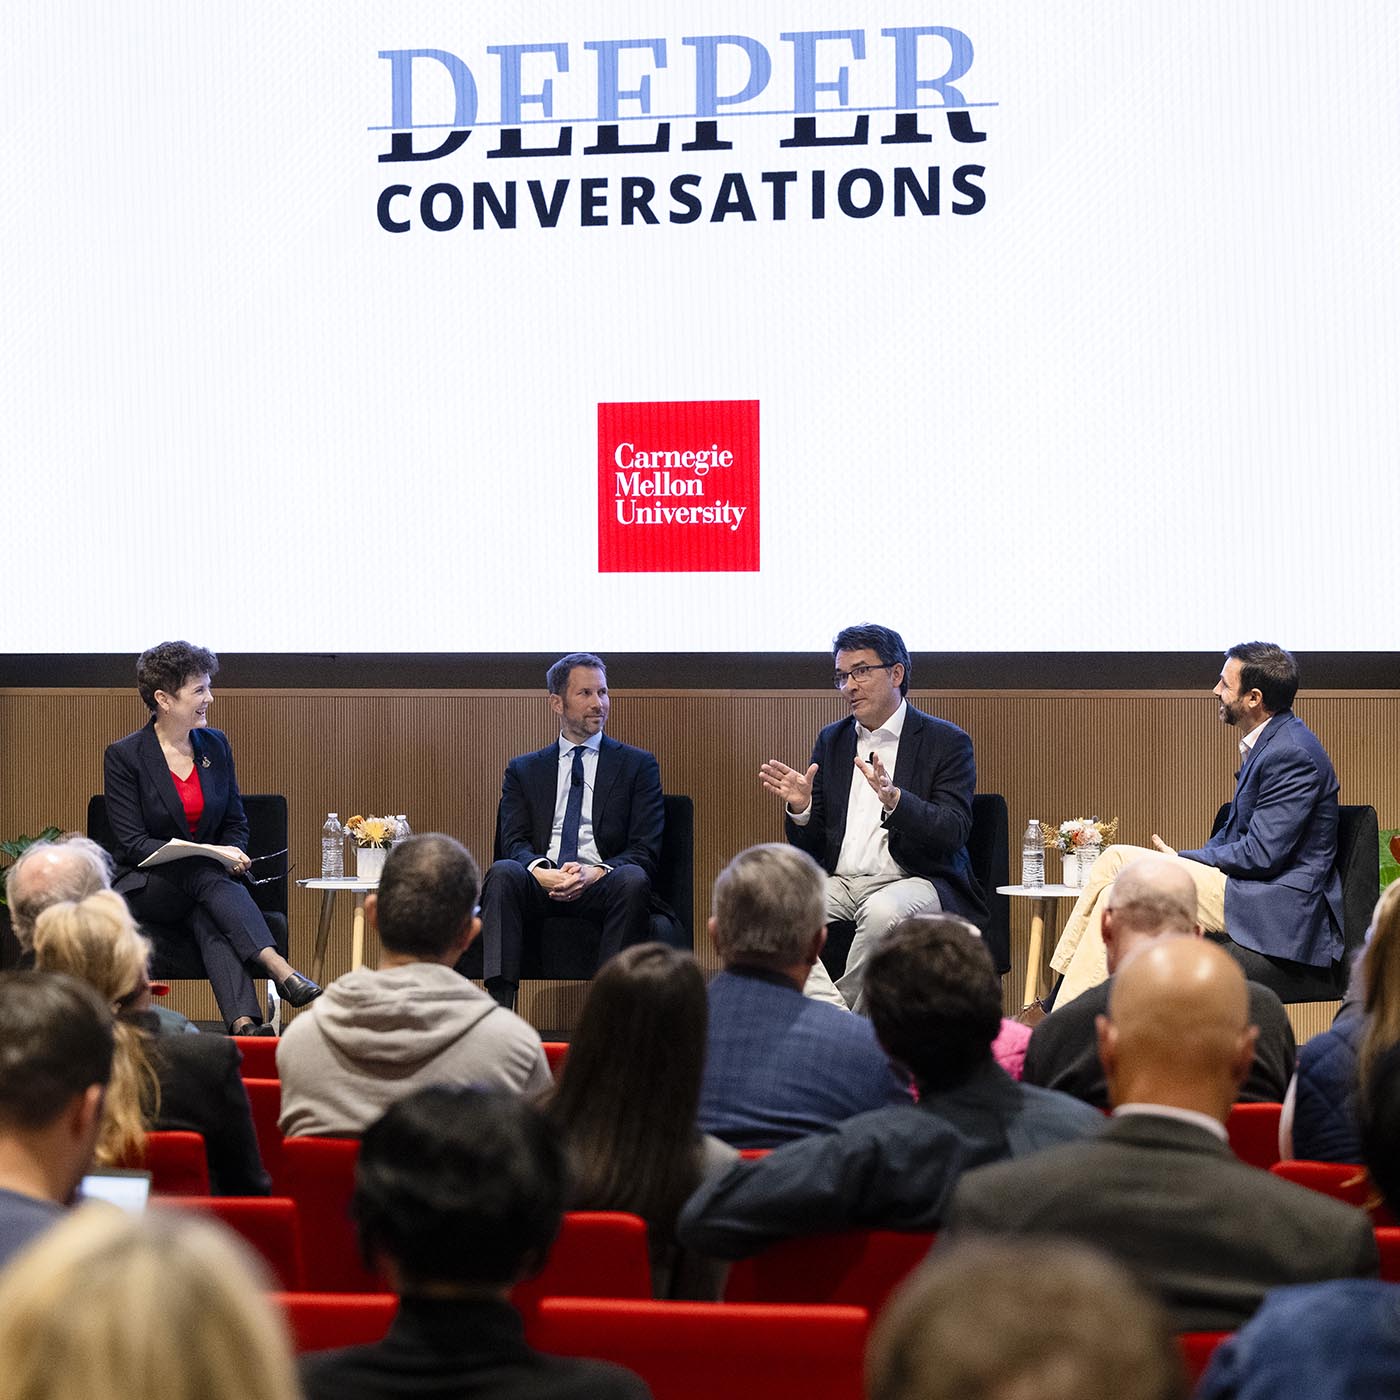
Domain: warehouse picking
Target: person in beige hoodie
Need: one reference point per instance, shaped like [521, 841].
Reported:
[378, 1034]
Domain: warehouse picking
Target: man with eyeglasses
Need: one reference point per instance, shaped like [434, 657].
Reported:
[885, 806]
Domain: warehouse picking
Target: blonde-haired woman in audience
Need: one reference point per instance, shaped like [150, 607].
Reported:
[110, 1306]
[95, 940]
[188, 1082]
[1321, 1121]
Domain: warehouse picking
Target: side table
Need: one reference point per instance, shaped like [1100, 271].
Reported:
[1043, 911]
[329, 889]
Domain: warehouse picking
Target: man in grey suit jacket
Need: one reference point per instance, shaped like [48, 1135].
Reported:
[1160, 1189]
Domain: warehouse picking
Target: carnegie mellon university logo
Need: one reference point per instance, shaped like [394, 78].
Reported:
[678, 487]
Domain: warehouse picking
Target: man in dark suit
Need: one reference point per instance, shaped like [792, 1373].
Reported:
[1153, 897]
[1160, 1189]
[885, 806]
[1267, 881]
[579, 831]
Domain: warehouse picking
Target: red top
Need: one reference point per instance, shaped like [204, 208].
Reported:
[191, 796]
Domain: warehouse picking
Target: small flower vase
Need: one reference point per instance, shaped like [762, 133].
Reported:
[369, 862]
[1077, 861]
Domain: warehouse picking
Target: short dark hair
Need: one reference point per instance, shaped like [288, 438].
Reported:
[56, 1041]
[1270, 670]
[1380, 1124]
[556, 679]
[169, 665]
[934, 998]
[459, 1185]
[885, 642]
[427, 891]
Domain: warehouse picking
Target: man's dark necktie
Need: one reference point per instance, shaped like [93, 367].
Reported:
[573, 810]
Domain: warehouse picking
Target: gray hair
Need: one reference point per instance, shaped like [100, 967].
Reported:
[53, 872]
[769, 902]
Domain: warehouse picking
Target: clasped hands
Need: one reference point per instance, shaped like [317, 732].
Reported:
[568, 881]
[795, 788]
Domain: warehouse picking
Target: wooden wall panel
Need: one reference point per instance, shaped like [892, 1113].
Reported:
[1160, 761]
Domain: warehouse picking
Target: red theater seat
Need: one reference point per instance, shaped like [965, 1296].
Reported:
[1343, 1181]
[704, 1351]
[320, 1176]
[556, 1052]
[268, 1224]
[1253, 1130]
[1388, 1247]
[598, 1254]
[1196, 1350]
[858, 1268]
[259, 1055]
[320, 1321]
[265, 1101]
[177, 1163]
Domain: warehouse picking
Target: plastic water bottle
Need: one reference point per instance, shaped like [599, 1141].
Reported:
[1033, 857]
[332, 849]
[402, 830]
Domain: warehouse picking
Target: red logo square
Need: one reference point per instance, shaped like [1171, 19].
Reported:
[678, 487]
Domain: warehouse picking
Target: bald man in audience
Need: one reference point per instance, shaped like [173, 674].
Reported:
[1160, 1189]
[1153, 896]
[51, 872]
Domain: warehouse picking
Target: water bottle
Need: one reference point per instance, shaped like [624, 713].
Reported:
[402, 830]
[332, 849]
[1033, 857]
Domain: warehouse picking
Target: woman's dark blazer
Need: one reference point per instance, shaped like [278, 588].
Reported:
[144, 809]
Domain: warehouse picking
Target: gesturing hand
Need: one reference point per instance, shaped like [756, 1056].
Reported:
[793, 787]
[874, 774]
[1159, 845]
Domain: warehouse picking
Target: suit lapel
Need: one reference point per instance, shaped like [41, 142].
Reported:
[158, 775]
[212, 781]
[911, 743]
[837, 784]
[543, 790]
[609, 766]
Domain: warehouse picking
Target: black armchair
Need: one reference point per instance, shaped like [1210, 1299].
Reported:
[174, 953]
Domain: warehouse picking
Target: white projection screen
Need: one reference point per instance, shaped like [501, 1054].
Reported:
[426, 327]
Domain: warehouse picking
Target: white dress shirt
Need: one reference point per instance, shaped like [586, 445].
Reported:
[865, 849]
[587, 850]
[1248, 742]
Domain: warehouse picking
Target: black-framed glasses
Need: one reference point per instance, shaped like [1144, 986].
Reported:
[857, 673]
[268, 879]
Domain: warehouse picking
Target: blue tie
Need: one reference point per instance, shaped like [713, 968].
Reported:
[573, 810]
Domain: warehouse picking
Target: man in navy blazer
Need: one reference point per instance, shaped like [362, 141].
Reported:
[578, 831]
[1267, 881]
[885, 807]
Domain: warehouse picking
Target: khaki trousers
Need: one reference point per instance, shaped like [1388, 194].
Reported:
[1080, 956]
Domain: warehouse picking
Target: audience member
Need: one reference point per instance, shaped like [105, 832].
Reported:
[780, 1065]
[627, 1101]
[187, 1082]
[1160, 1188]
[378, 1034]
[1319, 1117]
[458, 1196]
[1328, 1341]
[55, 1061]
[153, 1307]
[935, 1002]
[65, 871]
[987, 1320]
[50, 872]
[1154, 895]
